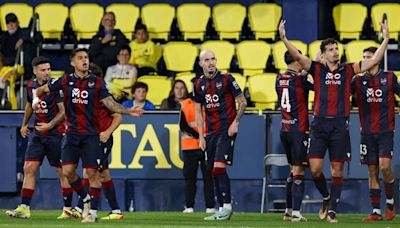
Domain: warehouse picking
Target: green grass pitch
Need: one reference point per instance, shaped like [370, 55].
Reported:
[178, 219]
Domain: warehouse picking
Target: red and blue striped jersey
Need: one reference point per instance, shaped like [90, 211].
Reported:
[375, 95]
[292, 89]
[48, 108]
[82, 101]
[332, 89]
[106, 118]
[218, 97]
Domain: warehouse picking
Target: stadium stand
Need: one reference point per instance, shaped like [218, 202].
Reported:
[223, 51]
[50, 28]
[23, 11]
[264, 19]
[193, 19]
[180, 56]
[262, 91]
[345, 13]
[354, 49]
[126, 17]
[155, 94]
[158, 18]
[253, 56]
[85, 19]
[228, 20]
[392, 11]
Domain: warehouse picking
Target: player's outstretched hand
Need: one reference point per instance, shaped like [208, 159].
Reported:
[202, 143]
[136, 112]
[24, 131]
[233, 129]
[41, 126]
[385, 30]
[281, 28]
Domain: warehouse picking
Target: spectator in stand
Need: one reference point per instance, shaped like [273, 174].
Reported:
[139, 92]
[121, 77]
[144, 55]
[178, 93]
[8, 73]
[106, 43]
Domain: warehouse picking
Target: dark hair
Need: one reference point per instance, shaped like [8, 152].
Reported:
[289, 58]
[109, 12]
[141, 27]
[11, 17]
[39, 60]
[171, 98]
[138, 85]
[125, 47]
[76, 50]
[370, 49]
[327, 42]
[96, 70]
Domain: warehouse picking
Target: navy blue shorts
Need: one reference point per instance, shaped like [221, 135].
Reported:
[105, 152]
[330, 134]
[295, 144]
[375, 146]
[86, 147]
[40, 146]
[219, 147]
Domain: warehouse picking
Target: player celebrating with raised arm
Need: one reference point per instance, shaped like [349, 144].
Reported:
[46, 139]
[84, 93]
[329, 128]
[218, 92]
[374, 92]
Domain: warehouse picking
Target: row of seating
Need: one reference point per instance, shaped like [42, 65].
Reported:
[349, 19]
[192, 18]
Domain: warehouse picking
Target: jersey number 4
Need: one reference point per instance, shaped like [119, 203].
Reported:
[285, 101]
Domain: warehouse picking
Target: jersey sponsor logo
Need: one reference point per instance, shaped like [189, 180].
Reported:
[332, 79]
[79, 97]
[212, 101]
[374, 95]
[42, 108]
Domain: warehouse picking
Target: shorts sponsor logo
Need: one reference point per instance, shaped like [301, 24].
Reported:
[79, 97]
[332, 79]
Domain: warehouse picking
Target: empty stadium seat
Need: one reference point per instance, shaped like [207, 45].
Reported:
[86, 19]
[264, 19]
[193, 19]
[158, 18]
[187, 78]
[240, 79]
[354, 49]
[314, 47]
[310, 99]
[279, 50]
[253, 56]
[159, 88]
[180, 56]
[50, 28]
[126, 16]
[223, 51]
[392, 11]
[57, 73]
[262, 90]
[228, 19]
[23, 11]
[349, 19]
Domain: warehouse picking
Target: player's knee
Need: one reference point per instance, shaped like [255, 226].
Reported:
[92, 174]
[385, 169]
[29, 169]
[218, 170]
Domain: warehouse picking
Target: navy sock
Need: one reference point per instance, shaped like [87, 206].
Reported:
[85, 186]
[297, 191]
[389, 189]
[224, 187]
[220, 199]
[320, 183]
[336, 191]
[78, 188]
[375, 198]
[109, 192]
[67, 196]
[289, 184]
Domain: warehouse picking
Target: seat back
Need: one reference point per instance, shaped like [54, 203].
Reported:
[158, 18]
[193, 19]
[86, 19]
[279, 50]
[392, 11]
[262, 90]
[349, 19]
[50, 28]
[228, 19]
[186, 77]
[126, 16]
[264, 19]
[253, 56]
[276, 160]
[180, 56]
[223, 51]
[159, 88]
[354, 49]
[23, 11]
[314, 47]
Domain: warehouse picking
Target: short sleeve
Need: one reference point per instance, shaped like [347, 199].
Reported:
[103, 92]
[59, 96]
[234, 86]
[353, 85]
[307, 81]
[56, 84]
[29, 92]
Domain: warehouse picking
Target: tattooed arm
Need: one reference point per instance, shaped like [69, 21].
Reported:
[41, 126]
[113, 106]
[233, 129]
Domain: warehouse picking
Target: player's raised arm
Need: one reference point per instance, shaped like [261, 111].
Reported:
[378, 55]
[118, 108]
[304, 61]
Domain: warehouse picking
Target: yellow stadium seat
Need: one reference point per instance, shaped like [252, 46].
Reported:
[50, 28]
[223, 51]
[349, 19]
[57, 73]
[392, 11]
[180, 56]
[158, 18]
[23, 11]
[240, 79]
[314, 47]
[159, 88]
[193, 19]
[228, 19]
[354, 49]
[262, 90]
[187, 78]
[126, 16]
[86, 19]
[253, 56]
[264, 19]
[279, 50]
[310, 100]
